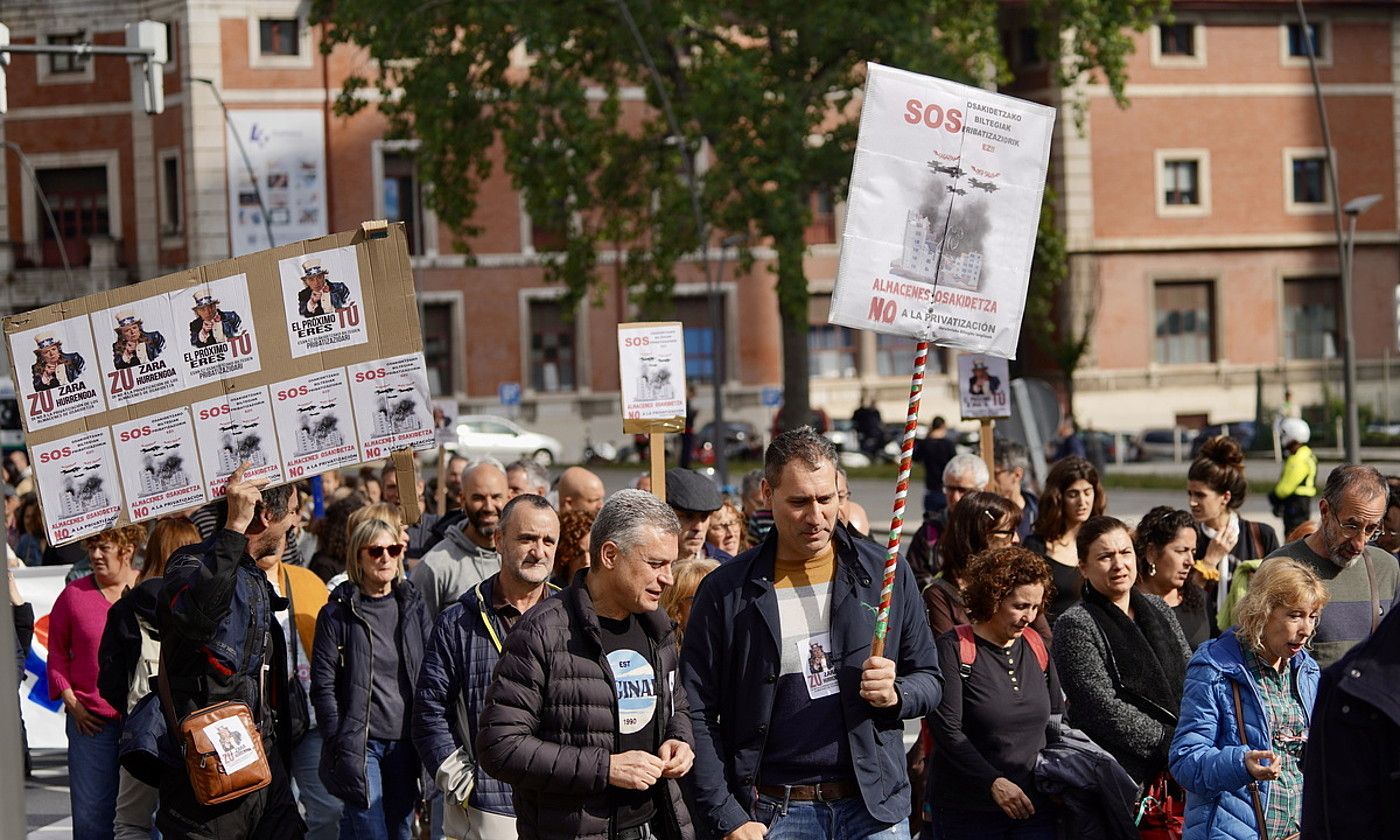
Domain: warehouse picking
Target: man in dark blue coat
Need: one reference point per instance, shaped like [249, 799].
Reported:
[798, 728]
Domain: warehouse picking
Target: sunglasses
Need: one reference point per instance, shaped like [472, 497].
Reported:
[377, 551]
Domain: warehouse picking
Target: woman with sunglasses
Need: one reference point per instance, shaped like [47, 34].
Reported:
[1245, 712]
[979, 521]
[369, 645]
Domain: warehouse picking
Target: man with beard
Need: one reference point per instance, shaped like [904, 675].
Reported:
[457, 666]
[466, 555]
[1362, 579]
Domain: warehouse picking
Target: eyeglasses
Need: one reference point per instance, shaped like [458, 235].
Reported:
[377, 551]
[950, 488]
[1351, 530]
[1002, 534]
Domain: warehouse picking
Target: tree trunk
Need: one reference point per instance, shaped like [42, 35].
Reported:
[792, 305]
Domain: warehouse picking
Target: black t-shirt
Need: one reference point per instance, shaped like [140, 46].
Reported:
[628, 649]
[389, 685]
[934, 454]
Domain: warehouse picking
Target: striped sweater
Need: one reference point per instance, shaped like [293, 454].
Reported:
[1347, 618]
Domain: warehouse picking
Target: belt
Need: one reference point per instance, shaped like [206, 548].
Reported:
[636, 832]
[820, 792]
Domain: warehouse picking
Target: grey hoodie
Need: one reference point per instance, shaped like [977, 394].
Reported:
[450, 568]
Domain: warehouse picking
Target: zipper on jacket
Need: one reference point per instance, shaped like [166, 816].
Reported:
[369, 639]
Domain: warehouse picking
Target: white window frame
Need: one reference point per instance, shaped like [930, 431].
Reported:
[582, 361]
[1160, 159]
[1294, 208]
[45, 77]
[457, 338]
[1324, 38]
[1198, 40]
[301, 61]
[527, 227]
[171, 230]
[429, 220]
[31, 215]
[1216, 335]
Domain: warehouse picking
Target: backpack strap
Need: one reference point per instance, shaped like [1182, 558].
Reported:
[967, 649]
[1033, 638]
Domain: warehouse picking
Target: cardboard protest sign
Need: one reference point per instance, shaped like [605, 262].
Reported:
[651, 358]
[56, 373]
[984, 386]
[142, 400]
[159, 464]
[943, 209]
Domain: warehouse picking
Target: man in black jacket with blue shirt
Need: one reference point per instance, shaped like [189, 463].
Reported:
[798, 729]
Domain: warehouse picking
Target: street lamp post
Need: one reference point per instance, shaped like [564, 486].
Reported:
[721, 435]
[1352, 209]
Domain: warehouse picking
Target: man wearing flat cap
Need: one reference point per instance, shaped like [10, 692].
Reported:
[694, 498]
[52, 367]
[134, 345]
[212, 324]
[322, 296]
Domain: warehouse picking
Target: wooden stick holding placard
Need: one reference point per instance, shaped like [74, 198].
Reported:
[658, 464]
[406, 473]
[987, 443]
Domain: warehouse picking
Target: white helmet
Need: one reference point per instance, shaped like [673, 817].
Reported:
[1293, 429]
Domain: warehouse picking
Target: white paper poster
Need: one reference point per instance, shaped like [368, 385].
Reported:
[314, 423]
[159, 464]
[139, 351]
[393, 408]
[235, 428]
[984, 383]
[943, 210]
[651, 357]
[287, 152]
[321, 295]
[59, 379]
[77, 479]
[216, 334]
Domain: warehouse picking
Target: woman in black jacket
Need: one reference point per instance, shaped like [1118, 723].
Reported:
[1165, 543]
[369, 645]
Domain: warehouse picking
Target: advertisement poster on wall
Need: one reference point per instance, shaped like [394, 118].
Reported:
[287, 152]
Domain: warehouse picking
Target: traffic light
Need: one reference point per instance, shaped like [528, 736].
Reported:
[150, 34]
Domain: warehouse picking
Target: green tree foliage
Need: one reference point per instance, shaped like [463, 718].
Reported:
[769, 87]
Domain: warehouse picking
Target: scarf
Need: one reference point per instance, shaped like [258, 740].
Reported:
[1222, 587]
[1144, 656]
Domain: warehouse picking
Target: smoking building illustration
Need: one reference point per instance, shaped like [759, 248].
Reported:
[320, 430]
[84, 491]
[395, 413]
[241, 442]
[943, 238]
[162, 470]
[654, 382]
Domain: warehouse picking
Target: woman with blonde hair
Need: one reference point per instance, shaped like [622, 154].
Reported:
[677, 598]
[369, 646]
[1245, 711]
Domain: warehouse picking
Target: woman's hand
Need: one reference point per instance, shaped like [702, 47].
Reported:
[1011, 799]
[1254, 762]
[1220, 547]
[87, 722]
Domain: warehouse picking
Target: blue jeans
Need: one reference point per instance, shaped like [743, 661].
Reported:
[93, 779]
[844, 819]
[391, 776]
[965, 824]
[321, 808]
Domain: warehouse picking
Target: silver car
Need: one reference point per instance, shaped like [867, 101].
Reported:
[487, 434]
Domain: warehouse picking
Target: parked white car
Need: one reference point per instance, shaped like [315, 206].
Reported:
[486, 434]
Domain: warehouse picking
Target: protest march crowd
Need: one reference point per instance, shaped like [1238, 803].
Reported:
[548, 661]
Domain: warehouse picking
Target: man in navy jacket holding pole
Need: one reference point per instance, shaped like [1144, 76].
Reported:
[798, 729]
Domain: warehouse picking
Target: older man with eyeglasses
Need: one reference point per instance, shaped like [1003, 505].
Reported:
[1362, 578]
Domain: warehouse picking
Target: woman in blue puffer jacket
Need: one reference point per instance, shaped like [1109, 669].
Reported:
[1260, 668]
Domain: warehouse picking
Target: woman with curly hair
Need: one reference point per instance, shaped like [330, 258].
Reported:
[572, 553]
[995, 718]
[1072, 495]
[1215, 489]
[1165, 542]
[1257, 681]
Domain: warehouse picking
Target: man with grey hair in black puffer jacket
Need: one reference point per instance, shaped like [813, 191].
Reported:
[586, 718]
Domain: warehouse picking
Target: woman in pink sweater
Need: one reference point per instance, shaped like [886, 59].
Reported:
[75, 631]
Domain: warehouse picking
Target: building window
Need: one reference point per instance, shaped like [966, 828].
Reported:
[894, 356]
[1185, 328]
[439, 322]
[279, 37]
[550, 232]
[66, 63]
[79, 200]
[822, 229]
[170, 194]
[831, 348]
[403, 197]
[1309, 180]
[552, 353]
[701, 337]
[1310, 325]
[1298, 42]
[1029, 45]
[1181, 183]
[1177, 39]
